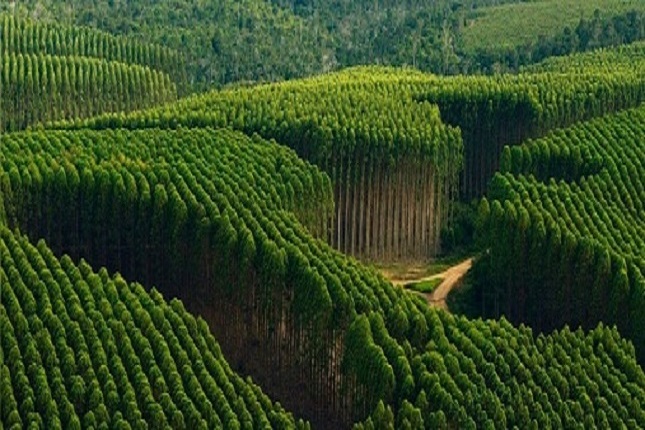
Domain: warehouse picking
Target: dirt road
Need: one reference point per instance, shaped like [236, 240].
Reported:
[451, 277]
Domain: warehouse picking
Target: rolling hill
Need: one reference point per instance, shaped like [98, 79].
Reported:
[251, 41]
[206, 262]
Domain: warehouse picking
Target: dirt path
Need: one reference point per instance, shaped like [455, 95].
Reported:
[451, 277]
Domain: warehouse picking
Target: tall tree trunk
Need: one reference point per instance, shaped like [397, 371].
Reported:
[396, 206]
[367, 216]
[438, 209]
[397, 212]
[409, 230]
[412, 190]
[363, 182]
[405, 208]
[348, 198]
[379, 197]
[356, 204]
[388, 216]
[423, 210]
[420, 204]
[339, 200]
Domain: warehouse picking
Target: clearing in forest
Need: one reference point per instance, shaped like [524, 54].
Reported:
[449, 279]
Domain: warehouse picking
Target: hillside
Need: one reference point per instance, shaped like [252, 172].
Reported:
[284, 307]
[223, 41]
[209, 261]
[577, 193]
[325, 117]
[365, 130]
[84, 349]
[507, 37]
[53, 72]
[522, 23]
[261, 40]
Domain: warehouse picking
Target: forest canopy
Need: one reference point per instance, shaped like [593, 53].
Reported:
[259, 40]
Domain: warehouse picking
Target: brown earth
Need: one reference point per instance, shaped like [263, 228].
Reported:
[451, 278]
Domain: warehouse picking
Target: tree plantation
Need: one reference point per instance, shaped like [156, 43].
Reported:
[228, 41]
[52, 73]
[210, 262]
[21, 36]
[286, 307]
[590, 222]
[393, 163]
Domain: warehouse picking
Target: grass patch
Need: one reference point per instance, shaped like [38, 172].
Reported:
[404, 272]
[409, 272]
[427, 286]
[516, 24]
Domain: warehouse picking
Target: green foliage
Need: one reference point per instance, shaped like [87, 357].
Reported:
[247, 41]
[587, 35]
[393, 346]
[51, 72]
[40, 88]
[24, 36]
[583, 87]
[386, 154]
[607, 60]
[231, 224]
[518, 24]
[587, 189]
[369, 126]
[222, 42]
[424, 286]
[112, 349]
[458, 237]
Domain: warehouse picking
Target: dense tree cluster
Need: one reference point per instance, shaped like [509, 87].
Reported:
[569, 208]
[588, 35]
[50, 72]
[23, 36]
[284, 306]
[506, 109]
[40, 88]
[232, 202]
[256, 40]
[222, 41]
[603, 60]
[393, 163]
[91, 198]
[84, 349]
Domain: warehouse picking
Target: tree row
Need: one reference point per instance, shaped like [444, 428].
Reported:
[565, 228]
[23, 36]
[41, 88]
[393, 164]
[284, 306]
[83, 349]
[506, 109]
[607, 59]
